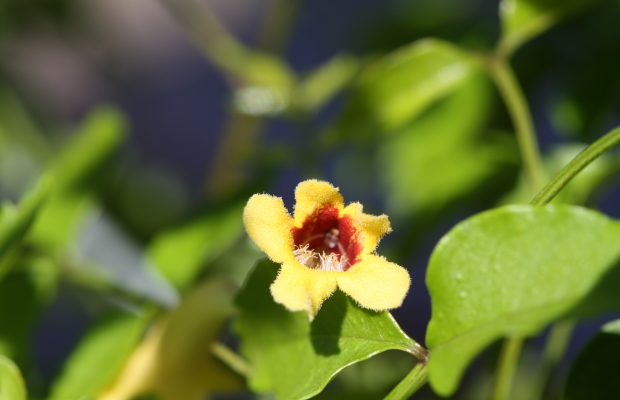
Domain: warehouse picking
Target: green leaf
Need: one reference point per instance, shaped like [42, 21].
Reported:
[510, 272]
[594, 374]
[58, 221]
[522, 20]
[441, 156]
[396, 88]
[97, 140]
[11, 382]
[294, 358]
[15, 223]
[99, 357]
[181, 252]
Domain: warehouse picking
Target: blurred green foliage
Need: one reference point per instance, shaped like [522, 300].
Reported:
[593, 375]
[410, 121]
[11, 383]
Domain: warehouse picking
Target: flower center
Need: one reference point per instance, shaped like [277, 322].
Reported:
[327, 241]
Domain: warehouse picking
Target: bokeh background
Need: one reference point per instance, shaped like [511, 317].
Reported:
[203, 133]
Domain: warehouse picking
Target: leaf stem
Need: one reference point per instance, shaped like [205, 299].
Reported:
[576, 165]
[509, 360]
[230, 358]
[516, 104]
[414, 380]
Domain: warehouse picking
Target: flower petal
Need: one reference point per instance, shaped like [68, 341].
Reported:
[312, 194]
[299, 288]
[269, 225]
[372, 227]
[375, 283]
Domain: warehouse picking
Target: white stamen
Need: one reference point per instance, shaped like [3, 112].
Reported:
[321, 261]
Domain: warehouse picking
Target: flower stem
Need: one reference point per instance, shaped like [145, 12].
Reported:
[517, 107]
[509, 360]
[582, 160]
[414, 380]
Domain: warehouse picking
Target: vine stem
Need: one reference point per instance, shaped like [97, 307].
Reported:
[576, 165]
[414, 380]
[517, 107]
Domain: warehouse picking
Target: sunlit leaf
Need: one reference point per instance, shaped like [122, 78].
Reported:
[594, 374]
[174, 360]
[442, 155]
[58, 222]
[396, 88]
[180, 253]
[511, 271]
[524, 19]
[99, 357]
[294, 358]
[11, 382]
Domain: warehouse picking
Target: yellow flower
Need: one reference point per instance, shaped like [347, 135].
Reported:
[324, 246]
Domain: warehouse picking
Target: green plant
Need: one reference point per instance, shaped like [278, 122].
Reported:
[419, 128]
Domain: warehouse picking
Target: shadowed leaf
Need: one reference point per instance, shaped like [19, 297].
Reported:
[294, 358]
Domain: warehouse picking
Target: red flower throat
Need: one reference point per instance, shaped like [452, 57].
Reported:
[327, 240]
